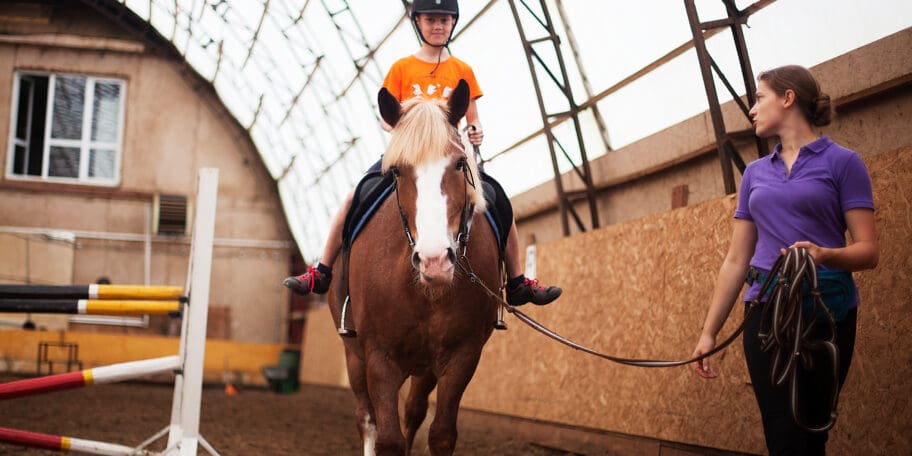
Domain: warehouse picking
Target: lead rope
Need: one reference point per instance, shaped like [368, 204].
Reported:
[788, 339]
[466, 268]
[784, 281]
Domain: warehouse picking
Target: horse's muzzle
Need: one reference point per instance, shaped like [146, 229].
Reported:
[436, 269]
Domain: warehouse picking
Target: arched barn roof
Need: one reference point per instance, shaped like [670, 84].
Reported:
[302, 75]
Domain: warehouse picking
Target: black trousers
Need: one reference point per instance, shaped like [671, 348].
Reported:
[783, 436]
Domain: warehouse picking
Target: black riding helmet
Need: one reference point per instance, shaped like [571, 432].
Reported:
[450, 7]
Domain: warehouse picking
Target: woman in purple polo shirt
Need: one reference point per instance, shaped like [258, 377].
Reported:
[807, 193]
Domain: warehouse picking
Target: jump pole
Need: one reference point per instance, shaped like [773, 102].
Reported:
[88, 377]
[62, 443]
[94, 291]
[88, 306]
[183, 433]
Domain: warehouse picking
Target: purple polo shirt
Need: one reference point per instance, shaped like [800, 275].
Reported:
[809, 205]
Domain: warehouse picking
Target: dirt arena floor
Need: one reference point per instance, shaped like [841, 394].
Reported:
[313, 421]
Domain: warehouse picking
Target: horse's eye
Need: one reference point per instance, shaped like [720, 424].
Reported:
[460, 164]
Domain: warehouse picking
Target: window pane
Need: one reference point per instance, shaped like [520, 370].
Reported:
[101, 163]
[64, 162]
[19, 159]
[25, 94]
[69, 98]
[105, 112]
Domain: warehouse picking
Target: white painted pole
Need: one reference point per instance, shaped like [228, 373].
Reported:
[123, 371]
[83, 446]
[174, 429]
[201, 262]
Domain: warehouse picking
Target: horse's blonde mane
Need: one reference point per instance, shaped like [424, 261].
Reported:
[422, 133]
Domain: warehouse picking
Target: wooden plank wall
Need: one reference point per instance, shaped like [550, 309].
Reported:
[641, 289]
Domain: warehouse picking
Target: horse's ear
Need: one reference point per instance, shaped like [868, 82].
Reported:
[390, 109]
[459, 102]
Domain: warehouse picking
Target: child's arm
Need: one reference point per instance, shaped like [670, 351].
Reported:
[476, 135]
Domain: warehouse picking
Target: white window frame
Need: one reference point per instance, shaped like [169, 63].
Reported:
[85, 144]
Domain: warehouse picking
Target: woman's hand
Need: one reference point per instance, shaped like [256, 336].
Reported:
[476, 135]
[704, 345]
[818, 254]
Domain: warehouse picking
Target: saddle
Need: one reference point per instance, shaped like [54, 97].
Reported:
[375, 187]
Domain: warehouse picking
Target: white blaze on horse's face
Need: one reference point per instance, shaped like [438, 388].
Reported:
[433, 243]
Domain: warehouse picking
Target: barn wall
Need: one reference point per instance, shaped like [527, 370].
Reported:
[646, 294]
[174, 125]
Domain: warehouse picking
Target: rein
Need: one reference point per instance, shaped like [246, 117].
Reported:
[787, 336]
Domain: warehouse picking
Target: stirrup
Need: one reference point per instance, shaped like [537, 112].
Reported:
[500, 324]
[343, 331]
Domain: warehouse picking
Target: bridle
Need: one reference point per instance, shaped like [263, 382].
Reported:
[467, 212]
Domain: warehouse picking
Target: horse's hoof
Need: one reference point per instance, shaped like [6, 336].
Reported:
[500, 325]
[347, 332]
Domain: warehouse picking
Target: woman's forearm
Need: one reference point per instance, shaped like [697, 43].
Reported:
[856, 257]
[728, 285]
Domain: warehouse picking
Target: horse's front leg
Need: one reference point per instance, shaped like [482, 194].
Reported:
[416, 407]
[443, 433]
[384, 378]
[367, 426]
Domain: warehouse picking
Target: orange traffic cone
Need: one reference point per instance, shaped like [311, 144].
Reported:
[230, 390]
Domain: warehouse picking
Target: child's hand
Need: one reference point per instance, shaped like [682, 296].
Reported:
[476, 135]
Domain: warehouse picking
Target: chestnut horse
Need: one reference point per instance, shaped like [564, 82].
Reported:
[416, 316]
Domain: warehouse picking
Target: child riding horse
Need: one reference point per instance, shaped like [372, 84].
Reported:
[416, 312]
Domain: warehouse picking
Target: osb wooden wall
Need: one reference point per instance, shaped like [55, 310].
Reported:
[641, 289]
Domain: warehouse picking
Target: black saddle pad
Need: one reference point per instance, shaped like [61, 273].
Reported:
[499, 212]
[375, 187]
[369, 194]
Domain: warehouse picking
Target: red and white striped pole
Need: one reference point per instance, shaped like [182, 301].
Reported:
[96, 376]
[61, 443]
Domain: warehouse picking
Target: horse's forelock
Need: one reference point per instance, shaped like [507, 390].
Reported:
[422, 134]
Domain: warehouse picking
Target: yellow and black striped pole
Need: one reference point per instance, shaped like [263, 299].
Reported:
[89, 306]
[131, 292]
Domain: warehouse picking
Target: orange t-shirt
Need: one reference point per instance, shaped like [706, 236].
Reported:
[411, 76]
